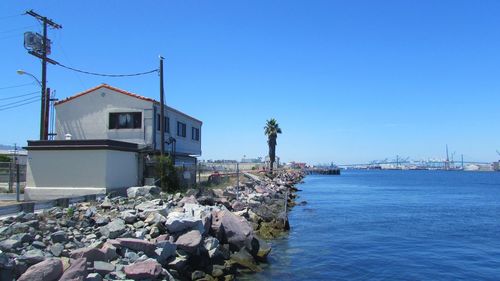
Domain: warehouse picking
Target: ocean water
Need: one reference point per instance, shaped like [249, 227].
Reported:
[392, 225]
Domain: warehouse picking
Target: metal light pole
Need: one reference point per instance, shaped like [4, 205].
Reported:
[42, 110]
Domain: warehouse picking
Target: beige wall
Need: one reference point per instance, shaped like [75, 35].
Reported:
[68, 173]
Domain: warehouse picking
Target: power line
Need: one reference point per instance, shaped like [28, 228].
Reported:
[20, 101]
[18, 96]
[16, 86]
[108, 75]
[17, 29]
[19, 105]
[9, 17]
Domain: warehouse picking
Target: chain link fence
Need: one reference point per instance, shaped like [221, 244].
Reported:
[8, 176]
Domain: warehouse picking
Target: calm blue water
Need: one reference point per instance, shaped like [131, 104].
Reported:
[392, 225]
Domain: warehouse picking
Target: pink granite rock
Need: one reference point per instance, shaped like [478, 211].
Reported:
[76, 272]
[137, 245]
[92, 254]
[47, 270]
[147, 269]
[189, 241]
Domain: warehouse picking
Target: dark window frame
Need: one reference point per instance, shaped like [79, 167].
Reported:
[166, 124]
[195, 133]
[135, 122]
[181, 129]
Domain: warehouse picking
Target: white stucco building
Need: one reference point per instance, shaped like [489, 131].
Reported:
[105, 141]
[106, 112]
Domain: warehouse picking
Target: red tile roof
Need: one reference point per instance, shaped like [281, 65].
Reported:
[107, 87]
[122, 92]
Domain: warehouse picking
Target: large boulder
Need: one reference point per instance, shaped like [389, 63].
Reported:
[189, 241]
[149, 190]
[47, 270]
[179, 221]
[153, 206]
[32, 256]
[243, 258]
[113, 229]
[76, 272]
[91, 254]
[229, 227]
[137, 245]
[103, 268]
[164, 250]
[58, 236]
[148, 269]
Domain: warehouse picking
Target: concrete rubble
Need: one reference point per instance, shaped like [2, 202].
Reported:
[212, 234]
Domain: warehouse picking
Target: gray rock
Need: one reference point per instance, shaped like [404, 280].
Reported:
[22, 237]
[155, 218]
[90, 212]
[198, 274]
[9, 245]
[137, 191]
[32, 257]
[189, 241]
[177, 222]
[101, 221]
[210, 243]
[47, 270]
[243, 258]
[19, 227]
[164, 250]
[56, 249]
[106, 203]
[58, 236]
[38, 244]
[131, 256]
[93, 277]
[128, 216]
[153, 206]
[6, 262]
[103, 268]
[264, 249]
[113, 229]
[217, 270]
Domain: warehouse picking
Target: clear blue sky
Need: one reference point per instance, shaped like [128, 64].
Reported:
[348, 81]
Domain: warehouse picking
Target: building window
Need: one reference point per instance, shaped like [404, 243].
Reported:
[195, 134]
[166, 124]
[125, 120]
[181, 129]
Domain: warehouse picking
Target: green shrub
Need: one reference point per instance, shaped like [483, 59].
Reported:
[4, 158]
[165, 169]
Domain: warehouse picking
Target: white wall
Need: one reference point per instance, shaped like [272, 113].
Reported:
[184, 144]
[87, 117]
[66, 168]
[69, 173]
[122, 169]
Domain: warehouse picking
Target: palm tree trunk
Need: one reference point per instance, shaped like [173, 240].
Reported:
[272, 151]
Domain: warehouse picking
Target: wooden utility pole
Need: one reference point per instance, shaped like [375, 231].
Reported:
[162, 109]
[45, 47]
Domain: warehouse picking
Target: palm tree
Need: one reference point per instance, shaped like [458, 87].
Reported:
[272, 129]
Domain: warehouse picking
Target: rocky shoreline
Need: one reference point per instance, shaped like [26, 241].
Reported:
[212, 234]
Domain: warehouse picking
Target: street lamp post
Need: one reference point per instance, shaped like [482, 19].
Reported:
[42, 110]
